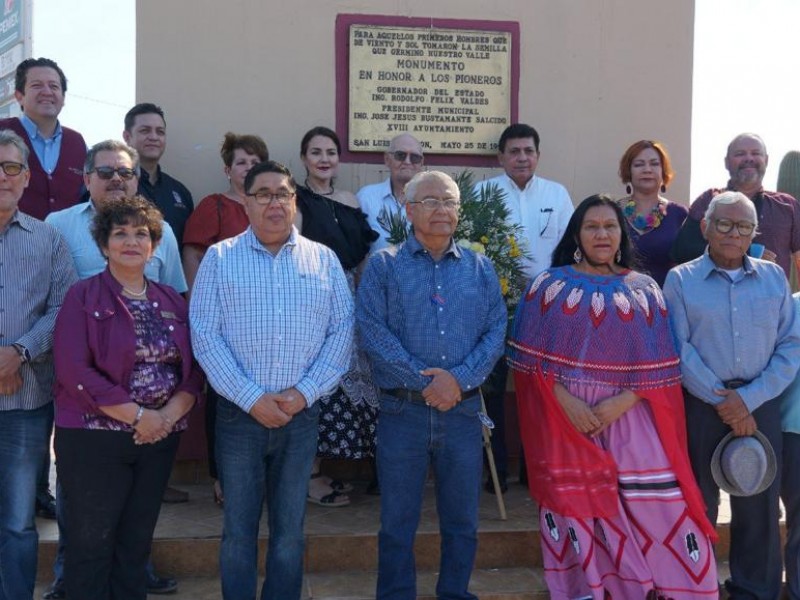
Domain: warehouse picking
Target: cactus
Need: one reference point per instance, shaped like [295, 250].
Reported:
[789, 174]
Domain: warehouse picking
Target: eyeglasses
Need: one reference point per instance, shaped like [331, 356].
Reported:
[726, 226]
[125, 173]
[266, 198]
[432, 204]
[12, 169]
[401, 156]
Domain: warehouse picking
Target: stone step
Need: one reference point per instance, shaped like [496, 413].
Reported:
[487, 584]
[192, 557]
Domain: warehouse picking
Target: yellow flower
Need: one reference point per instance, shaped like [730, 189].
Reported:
[503, 286]
[478, 247]
[484, 240]
[514, 252]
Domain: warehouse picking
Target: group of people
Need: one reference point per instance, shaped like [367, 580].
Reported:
[320, 338]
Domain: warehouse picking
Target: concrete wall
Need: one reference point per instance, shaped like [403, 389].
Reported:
[596, 75]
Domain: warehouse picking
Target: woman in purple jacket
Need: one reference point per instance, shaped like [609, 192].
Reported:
[125, 380]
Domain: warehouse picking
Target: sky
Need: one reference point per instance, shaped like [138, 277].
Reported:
[745, 75]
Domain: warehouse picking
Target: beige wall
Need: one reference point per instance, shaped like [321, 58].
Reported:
[596, 75]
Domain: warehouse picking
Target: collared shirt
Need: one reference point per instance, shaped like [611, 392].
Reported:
[35, 274]
[414, 313]
[263, 323]
[47, 149]
[172, 199]
[543, 209]
[75, 224]
[790, 398]
[374, 199]
[778, 226]
[744, 329]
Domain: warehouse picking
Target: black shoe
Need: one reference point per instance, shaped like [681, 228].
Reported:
[46, 509]
[55, 591]
[161, 585]
[489, 485]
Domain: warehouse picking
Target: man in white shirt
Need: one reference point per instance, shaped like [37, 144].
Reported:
[543, 208]
[404, 159]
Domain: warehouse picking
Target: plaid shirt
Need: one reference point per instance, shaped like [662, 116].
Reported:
[263, 323]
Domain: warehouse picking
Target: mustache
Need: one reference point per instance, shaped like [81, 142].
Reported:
[116, 185]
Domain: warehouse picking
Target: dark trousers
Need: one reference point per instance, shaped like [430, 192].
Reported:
[113, 490]
[494, 396]
[790, 494]
[755, 554]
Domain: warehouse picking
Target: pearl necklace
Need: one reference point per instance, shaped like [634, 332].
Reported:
[136, 294]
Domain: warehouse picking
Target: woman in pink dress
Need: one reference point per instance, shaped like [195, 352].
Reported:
[601, 414]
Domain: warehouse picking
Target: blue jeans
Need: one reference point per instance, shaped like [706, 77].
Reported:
[24, 441]
[256, 463]
[790, 494]
[412, 437]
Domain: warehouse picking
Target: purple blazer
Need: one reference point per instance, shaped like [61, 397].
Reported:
[94, 347]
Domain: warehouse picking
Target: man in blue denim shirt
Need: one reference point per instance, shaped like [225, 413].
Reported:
[432, 321]
[734, 325]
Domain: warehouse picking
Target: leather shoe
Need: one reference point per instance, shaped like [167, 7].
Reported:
[161, 585]
[46, 507]
[55, 591]
[174, 496]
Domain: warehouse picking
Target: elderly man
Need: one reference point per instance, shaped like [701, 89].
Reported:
[432, 321]
[404, 159]
[111, 171]
[272, 327]
[739, 341]
[778, 213]
[35, 275]
[146, 132]
[58, 152]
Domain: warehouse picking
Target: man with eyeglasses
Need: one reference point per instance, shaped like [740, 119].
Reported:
[57, 152]
[778, 214]
[35, 274]
[404, 159]
[111, 172]
[146, 132]
[272, 327]
[432, 321]
[734, 324]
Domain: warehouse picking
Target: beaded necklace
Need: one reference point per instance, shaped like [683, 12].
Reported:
[648, 221]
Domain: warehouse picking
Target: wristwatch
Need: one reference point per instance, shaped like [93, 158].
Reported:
[24, 355]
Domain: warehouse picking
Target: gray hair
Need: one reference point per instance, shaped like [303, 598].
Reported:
[728, 198]
[9, 138]
[110, 146]
[397, 138]
[411, 187]
[746, 136]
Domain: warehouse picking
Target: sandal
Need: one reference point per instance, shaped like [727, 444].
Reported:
[337, 485]
[333, 500]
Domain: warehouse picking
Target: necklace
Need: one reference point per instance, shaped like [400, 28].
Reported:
[136, 294]
[316, 192]
[648, 221]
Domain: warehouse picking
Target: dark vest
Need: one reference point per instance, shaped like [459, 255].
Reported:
[45, 193]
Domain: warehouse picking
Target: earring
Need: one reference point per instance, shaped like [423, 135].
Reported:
[618, 257]
[663, 189]
[577, 256]
[628, 189]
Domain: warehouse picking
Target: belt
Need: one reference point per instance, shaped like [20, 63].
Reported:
[403, 394]
[734, 384]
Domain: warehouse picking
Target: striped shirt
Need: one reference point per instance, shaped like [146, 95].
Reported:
[263, 323]
[35, 273]
[414, 313]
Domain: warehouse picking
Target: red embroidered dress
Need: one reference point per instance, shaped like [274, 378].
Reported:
[621, 515]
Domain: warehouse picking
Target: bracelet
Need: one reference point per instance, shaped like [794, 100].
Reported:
[138, 417]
